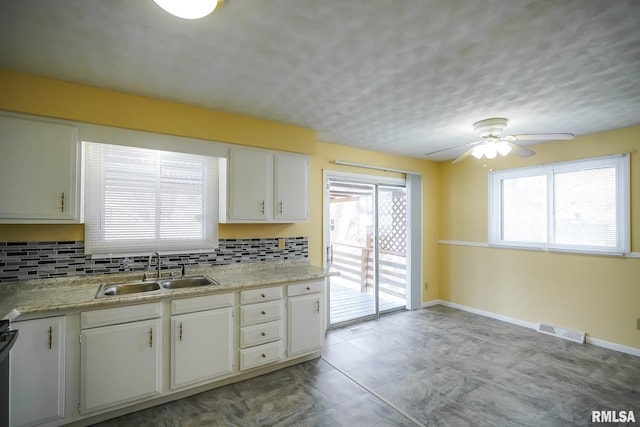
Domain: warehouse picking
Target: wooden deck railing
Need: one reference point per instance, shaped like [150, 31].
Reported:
[355, 264]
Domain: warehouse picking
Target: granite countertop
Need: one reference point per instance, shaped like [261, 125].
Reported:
[72, 293]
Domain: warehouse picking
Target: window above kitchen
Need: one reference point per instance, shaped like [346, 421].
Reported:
[141, 200]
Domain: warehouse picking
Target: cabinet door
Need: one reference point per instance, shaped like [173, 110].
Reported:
[201, 346]
[291, 187]
[38, 171]
[119, 364]
[305, 319]
[37, 371]
[250, 190]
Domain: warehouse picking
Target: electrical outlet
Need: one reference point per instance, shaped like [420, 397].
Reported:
[638, 323]
[280, 244]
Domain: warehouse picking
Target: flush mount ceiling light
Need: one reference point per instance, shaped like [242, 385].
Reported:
[190, 9]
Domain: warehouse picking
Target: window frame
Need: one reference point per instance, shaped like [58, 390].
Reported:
[94, 214]
[620, 162]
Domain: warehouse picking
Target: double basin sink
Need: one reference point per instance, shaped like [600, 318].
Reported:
[151, 285]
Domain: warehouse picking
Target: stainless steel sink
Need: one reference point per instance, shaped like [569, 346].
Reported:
[188, 282]
[127, 288]
[154, 285]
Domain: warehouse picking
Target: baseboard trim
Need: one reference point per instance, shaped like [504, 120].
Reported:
[613, 346]
[492, 315]
[432, 303]
[590, 340]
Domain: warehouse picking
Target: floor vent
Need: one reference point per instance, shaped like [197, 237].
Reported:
[359, 329]
[557, 331]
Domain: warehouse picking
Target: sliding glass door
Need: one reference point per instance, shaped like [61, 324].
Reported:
[367, 246]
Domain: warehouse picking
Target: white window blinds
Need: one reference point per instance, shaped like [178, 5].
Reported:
[574, 206]
[140, 200]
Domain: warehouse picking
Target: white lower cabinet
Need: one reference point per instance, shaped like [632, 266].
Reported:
[126, 352]
[305, 316]
[260, 355]
[201, 342]
[121, 362]
[261, 334]
[37, 371]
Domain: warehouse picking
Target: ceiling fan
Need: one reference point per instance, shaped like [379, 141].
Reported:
[493, 144]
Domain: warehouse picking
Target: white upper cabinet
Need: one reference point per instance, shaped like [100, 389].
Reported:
[264, 186]
[250, 191]
[39, 172]
[291, 187]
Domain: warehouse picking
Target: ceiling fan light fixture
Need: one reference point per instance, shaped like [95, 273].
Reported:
[478, 152]
[491, 142]
[490, 150]
[503, 148]
[490, 127]
[189, 9]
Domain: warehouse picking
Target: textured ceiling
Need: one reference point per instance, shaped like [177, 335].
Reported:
[399, 76]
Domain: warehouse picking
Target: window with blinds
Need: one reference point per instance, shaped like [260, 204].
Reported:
[139, 200]
[574, 206]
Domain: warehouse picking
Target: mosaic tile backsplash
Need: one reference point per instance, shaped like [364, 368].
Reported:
[39, 260]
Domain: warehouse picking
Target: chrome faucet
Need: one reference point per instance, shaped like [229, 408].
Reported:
[156, 254]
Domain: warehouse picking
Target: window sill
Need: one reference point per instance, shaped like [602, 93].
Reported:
[539, 249]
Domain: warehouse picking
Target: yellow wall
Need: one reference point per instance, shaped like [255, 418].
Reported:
[600, 295]
[596, 294]
[54, 98]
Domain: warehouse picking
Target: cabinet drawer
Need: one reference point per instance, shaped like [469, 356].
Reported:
[305, 288]
[113, 316]
[260, 295]
[207, 302]
[260, 313]
[260, 334]
[260, 355]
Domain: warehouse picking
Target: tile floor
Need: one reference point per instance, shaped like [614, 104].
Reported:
[436, 366]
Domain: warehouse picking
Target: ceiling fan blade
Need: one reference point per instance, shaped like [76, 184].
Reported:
[469, 144]
[463, 157]
[520, 150]
[540, 136]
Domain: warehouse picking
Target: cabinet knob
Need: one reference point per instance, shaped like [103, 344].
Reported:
[151, 337]
[308, 288]
[62, 203]
[263, 295]
[263, 355]
[264, 334]
[50, 337]
[263, 312]
[180, 331]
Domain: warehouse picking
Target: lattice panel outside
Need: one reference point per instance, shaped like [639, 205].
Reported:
[392, 223]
